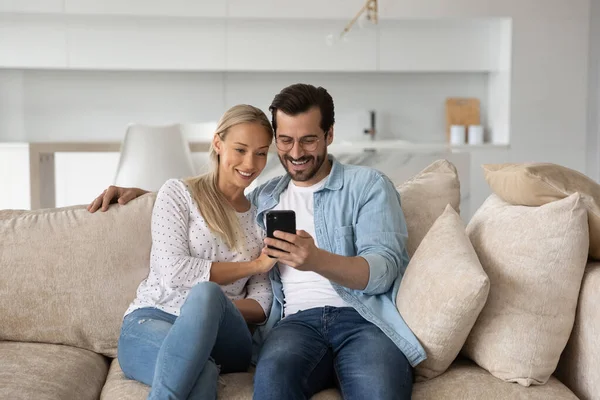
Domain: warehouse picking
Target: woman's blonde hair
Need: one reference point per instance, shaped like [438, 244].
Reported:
[219, 215]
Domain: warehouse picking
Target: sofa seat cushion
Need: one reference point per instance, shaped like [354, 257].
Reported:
[117, 386]
[231, 387]
[50, 372]
[465, 380]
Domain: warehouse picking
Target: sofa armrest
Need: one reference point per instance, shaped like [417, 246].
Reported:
[579, 366]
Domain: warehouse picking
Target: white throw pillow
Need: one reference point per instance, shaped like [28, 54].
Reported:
[535, 258]
[424, 198]
[442, 292]
[536, 184]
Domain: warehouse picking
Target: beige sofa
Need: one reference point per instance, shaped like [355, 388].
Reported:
[67, 276]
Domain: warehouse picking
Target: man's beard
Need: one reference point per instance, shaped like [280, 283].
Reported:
[306, 175]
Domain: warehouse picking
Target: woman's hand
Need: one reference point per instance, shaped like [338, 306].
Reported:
[225, 273]
[264, 263]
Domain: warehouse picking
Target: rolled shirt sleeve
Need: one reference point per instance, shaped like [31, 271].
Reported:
[381, 235]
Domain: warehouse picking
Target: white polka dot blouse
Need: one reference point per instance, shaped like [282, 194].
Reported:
[183, 250]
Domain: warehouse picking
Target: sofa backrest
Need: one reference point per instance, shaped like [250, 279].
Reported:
[67, 276]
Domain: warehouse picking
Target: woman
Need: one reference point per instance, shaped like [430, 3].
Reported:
[208, 278]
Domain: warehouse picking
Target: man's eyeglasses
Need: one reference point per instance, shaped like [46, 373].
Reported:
[308, 143]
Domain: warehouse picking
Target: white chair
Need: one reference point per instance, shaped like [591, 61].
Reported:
[150, 155]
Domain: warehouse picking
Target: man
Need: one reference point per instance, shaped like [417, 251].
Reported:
[333, 319]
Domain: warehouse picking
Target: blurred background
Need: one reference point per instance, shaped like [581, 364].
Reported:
[413, 81]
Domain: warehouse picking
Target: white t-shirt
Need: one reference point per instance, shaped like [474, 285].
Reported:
[304, 289]
[184, 248]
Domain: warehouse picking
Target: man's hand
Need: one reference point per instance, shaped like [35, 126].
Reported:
[302, 253]
[114, 194]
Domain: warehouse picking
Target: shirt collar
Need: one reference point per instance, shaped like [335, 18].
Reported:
[335, 179]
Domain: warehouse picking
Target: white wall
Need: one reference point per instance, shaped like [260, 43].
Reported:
[12, 109]
[97, 105]
[549, 88]
[409, 106]
[81, 106]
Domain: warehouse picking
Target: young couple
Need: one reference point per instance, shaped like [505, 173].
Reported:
[326, 313]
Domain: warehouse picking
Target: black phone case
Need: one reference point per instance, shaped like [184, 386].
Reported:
[280, 220]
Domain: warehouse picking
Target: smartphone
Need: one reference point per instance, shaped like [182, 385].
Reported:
[280, 220]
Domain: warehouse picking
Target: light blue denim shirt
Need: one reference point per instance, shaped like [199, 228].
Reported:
[356, 213]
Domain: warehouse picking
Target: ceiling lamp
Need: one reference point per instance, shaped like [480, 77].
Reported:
[367, 13]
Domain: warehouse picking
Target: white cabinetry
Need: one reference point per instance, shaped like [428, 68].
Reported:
[128, 43]
[208, 36]
[31, 6]
[32, 41]
[294, 45]
[170, 8]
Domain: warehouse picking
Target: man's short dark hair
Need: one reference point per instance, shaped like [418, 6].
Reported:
[301, 97]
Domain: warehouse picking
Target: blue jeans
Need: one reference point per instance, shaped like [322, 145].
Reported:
[181, 357]
[314, 349]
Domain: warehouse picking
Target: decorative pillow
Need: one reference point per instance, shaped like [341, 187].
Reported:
[424, 198]
[535, 258]
[442, 292]
[537, 184]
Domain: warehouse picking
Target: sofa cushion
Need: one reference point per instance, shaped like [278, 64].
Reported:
[535, 258]
[578, 367]
[69, 275]
[536, 184]
[424, 198]
[466, 381]
[463, 380]
[49, 371]
[6, 214]
[118, 387]
[231, 387]
[442, 292]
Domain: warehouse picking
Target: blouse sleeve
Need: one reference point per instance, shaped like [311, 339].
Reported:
[170, 246]
[259, 289]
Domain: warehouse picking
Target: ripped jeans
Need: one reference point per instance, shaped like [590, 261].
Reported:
[181, 357]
